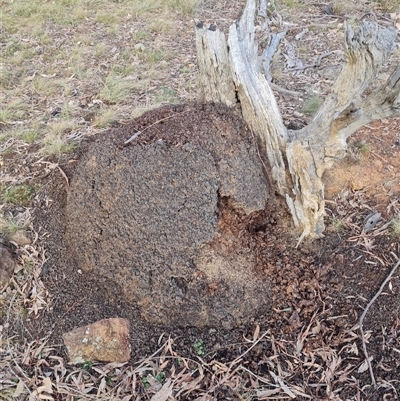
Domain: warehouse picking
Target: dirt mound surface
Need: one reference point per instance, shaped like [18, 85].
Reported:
[145, 215]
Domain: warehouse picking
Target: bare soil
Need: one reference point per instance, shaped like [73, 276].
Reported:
[319, 290]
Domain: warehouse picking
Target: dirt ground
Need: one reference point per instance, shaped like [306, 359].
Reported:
[319, 289]
[310, 339]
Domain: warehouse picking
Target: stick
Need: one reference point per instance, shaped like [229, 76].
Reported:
[134, 136]
[371, 372]
[284, 91]
[316, 64]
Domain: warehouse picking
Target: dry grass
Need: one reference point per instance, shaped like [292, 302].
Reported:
[395, 226]
[10, 225]
[84, 53]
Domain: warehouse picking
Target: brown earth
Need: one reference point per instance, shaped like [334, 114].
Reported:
[145, 216]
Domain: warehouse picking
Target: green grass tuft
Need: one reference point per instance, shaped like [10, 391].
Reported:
[15, 110]
[337, 224]
[57, 145]
[187, 7]
[363, 147]
[104, 117]
[31, 136]
[9, 225]
[19, 195]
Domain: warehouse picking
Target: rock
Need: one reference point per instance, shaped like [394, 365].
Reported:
[105, 341]
[161, 216]
[20, 238]
[7, 266]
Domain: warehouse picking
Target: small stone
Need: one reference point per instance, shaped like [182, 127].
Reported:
[7, 266]
[20, 238]
[105, 341]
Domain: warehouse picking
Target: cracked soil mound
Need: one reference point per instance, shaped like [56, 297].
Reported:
[152, 216]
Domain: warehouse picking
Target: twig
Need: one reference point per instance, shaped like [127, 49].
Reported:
[284, 91]
[134, 136]
[230, 370]
[52, 166]
[238, 359]
[269, 52]
[63, 174]
[316, 64]
[371, 372]
[379, 157]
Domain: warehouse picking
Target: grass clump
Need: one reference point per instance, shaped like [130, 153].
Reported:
[116, 89]
[56, 144]
[363, 147]
[160, 26]
[106, 19]
[186, 7]
[389, 5]
[10, 225]
[31, 136]
[290, 3]
[44, 86]
[19, 195]
[61, 127]
[122, 70]
[311, 105]
[15, 110]
[104, 118]
[140, 34]
[167, 95]
[337, 224]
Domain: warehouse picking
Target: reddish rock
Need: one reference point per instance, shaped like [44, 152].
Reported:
[7, 266]
[105, 341]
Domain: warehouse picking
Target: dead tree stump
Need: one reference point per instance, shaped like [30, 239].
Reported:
[298, 159]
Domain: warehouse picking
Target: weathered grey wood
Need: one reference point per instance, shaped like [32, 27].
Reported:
[298, 159]
[215, 76]
[320, 144]
[269, 51]
[259, 106]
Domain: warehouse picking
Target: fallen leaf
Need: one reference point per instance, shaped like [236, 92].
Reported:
[20, 389]
[164, 393]
[364, 367]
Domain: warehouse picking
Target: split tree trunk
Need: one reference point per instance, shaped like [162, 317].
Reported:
[230, 72]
